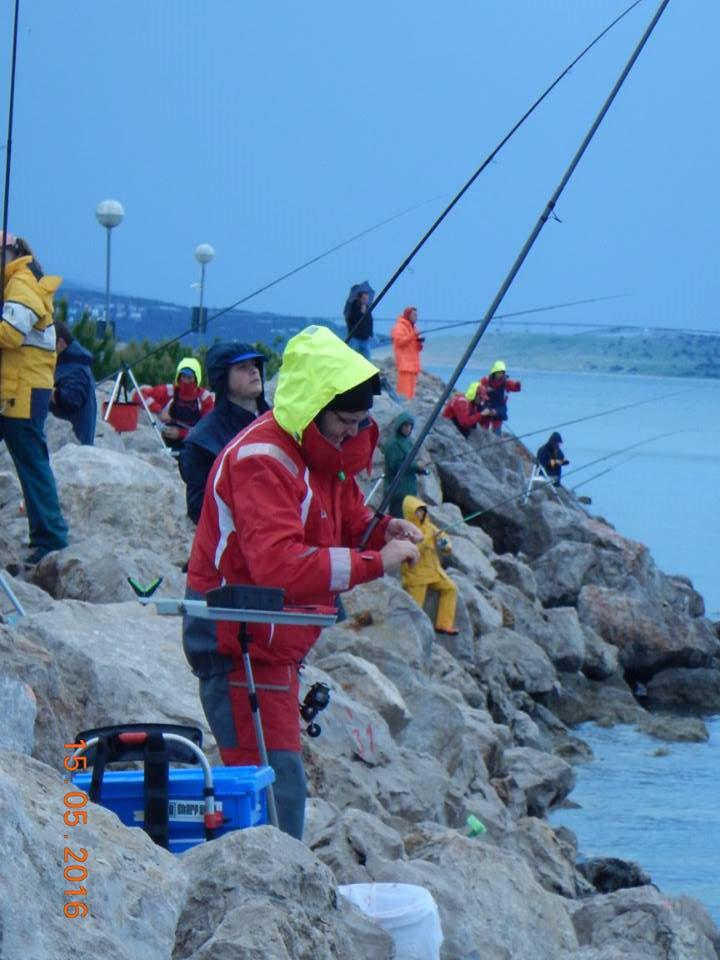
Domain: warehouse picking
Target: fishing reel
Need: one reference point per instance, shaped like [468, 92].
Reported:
[316, 699]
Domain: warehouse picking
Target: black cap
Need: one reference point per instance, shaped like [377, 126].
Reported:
[357, 398]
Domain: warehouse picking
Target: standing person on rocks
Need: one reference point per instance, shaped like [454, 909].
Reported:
[358, 318]
[407, 344]
[497, 385]
[181, 404]
[73, 397]
[282, 509]
[428, 571]
[552, 459]
[27, 365]
[395, 451]
[235, 372]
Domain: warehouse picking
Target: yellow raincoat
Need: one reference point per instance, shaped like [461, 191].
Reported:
[428, 571]
[27, 339]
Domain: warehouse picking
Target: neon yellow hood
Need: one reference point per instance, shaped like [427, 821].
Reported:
[194, 365]
[472, 390]
[316, 366]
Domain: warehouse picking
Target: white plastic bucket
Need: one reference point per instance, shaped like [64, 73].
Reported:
[407, 912]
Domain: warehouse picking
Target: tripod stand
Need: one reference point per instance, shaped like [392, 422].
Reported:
[124, 376]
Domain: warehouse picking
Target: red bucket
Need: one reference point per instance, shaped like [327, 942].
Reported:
[123, 416]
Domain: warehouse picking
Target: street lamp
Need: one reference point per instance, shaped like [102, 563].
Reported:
[109, 214]
[204, 253]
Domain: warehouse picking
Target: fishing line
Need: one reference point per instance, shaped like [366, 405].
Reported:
[514, 270]
[584, 466]
[284, 276]
[522, 313]
[8, 152]
[486, 162]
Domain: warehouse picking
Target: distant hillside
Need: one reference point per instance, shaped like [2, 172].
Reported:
[658, 353]
[139, 318]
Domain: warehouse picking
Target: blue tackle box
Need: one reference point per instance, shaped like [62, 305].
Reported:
[239, 796]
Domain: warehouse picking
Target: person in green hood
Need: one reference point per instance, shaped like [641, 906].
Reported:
[395, 450]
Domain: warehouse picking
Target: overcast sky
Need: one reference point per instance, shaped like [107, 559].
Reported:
[274, 130]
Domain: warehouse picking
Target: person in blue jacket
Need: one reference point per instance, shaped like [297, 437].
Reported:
[235, 372]
[73, 397]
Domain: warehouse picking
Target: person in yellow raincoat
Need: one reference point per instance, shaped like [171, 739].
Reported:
[428, 571]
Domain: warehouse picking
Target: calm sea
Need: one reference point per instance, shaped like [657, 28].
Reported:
[660, 810]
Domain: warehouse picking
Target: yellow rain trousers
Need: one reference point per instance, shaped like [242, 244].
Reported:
[428, 571]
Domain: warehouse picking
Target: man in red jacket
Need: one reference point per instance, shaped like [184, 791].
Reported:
[282, 509]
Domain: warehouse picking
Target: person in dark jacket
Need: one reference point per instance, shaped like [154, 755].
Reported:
[552, 459]
[359, 319]
[395, 451]
[73, 397]
[236, 375]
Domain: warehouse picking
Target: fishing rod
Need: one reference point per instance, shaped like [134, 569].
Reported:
[486, 163]
[584, 466]
[8, 152]
[602, 473]
[523, 313]
[512, 437]
[514, 270]
[284, 276]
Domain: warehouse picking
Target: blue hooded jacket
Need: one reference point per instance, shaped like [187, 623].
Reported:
[211, 434]
[75, 392]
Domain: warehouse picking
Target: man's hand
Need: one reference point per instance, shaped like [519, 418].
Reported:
[399, 529]
[396, 552]
[171, 432]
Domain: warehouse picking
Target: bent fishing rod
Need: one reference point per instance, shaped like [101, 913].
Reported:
[584, 466]
[273, 283]
[8, 152]
[486, 163]
[514, 270]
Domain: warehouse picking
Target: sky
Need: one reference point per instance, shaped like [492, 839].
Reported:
[275, 130]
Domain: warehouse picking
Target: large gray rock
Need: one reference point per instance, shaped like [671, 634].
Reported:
[95, 570]
[642, 923]
[519, 575]
[94, 665]
[649, 637]
[566, 644]
[18, 707]
[539, 780]
[262, 894]
[578, 700]
[363, 681]
[682, 687]
[601, 659]
[523, 663]
[353, 843]
[483, 894]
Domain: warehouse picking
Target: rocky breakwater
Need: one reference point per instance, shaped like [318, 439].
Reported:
[419, 734]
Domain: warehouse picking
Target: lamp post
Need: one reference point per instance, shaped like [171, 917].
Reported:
[109, 214]
[204, 253]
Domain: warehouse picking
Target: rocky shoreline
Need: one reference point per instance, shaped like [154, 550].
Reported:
[561, 619]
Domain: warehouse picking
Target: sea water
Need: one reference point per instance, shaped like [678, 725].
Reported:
[641, 799]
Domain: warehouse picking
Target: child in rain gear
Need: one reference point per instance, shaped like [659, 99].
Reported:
[497, 385]
[395, 451]
[468, 410]
[428, 571]
[407, 344]
[181, 404]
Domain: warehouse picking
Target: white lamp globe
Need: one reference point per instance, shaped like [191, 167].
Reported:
[204, 253]
[109, 213]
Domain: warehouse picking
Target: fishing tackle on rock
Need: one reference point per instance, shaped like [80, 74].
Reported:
[486, 162]
[514, 270]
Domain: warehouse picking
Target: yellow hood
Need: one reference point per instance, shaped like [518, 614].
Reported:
[316, 367]
[193, 365]
[472, 390]
[21, 286]
[410, 504]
